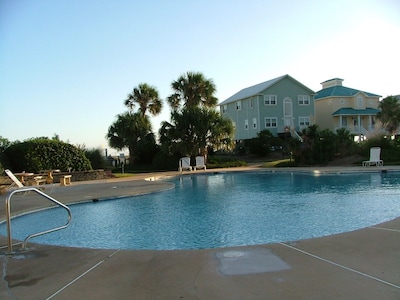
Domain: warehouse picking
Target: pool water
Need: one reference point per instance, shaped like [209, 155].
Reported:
[224, 209]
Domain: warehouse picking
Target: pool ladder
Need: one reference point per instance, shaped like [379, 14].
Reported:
[8, 216]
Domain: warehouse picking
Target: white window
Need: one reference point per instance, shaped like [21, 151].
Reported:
[238, 105]
[251, 103]
[246, 124]
[224, 108]
[254, 123]
[271, 122]
[304, 122]
[269, 99]
[303, 99]
[360, 101]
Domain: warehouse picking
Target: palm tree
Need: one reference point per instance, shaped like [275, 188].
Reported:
[192, 130]
[127, 132]
[193, 89]
[389, 114]
[146, 96]
[195, 123]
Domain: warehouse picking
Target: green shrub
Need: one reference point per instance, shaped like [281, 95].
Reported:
[44, 154]
[263, 143]
[146, 149]
[163, 161]
[390, 148]
[96, 159]
[376, 141]
[224, 162]
[319, 146]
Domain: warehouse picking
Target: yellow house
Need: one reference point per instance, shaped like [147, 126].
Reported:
[337, 106]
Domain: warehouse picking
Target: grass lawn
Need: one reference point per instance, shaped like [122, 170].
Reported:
[277, 163]
[122, 175]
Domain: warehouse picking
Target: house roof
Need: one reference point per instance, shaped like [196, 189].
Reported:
[257, 89]
[340, 91]
[347, 111]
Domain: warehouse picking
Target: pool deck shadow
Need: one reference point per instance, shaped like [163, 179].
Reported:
[362, 264]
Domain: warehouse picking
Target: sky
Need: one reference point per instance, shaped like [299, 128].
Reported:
[66, 66]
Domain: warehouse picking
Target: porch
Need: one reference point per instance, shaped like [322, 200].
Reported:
[356, 121]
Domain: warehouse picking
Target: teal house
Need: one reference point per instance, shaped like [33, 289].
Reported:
[282, 105]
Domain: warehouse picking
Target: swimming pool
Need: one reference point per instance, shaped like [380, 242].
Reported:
[224, 209]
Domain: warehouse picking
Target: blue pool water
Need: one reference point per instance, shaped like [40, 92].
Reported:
[220, 210]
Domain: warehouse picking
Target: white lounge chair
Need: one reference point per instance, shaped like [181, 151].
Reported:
[14, 179]
[374, 158]
[184, 164]
[18, 183]
[200, 163]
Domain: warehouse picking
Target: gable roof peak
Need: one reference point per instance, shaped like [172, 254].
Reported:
[253, 90]
[259, 88]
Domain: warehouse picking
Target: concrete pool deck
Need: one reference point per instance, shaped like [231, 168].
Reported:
[362, 264]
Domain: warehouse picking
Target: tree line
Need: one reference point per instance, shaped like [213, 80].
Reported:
[194, 127]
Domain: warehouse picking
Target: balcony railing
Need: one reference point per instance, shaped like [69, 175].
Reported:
[358, 129]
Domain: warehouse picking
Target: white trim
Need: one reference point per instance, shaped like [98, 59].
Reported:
[270, 100]
[271, 120]
[238, 105]
[303, 100]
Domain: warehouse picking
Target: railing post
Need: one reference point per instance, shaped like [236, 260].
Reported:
[8, 216]
[8, 220]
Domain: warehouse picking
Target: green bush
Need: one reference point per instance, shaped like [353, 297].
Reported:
[163, 161]
[146, 149]
[45, 154]
[96, 159]
[263, 143]
[4, 144]
[390, 148]
[318, 146]
[240, 148]
[224, 162]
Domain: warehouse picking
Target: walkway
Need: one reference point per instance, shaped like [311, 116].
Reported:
[363, 264]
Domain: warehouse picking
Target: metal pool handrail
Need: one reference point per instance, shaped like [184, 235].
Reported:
[8, 216]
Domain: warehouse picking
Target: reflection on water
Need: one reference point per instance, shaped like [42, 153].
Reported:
[230, 209]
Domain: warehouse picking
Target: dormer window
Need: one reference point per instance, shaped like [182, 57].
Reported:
[360, 101]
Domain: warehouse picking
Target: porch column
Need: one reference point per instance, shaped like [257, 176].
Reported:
[370, 123]
[340, 121]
